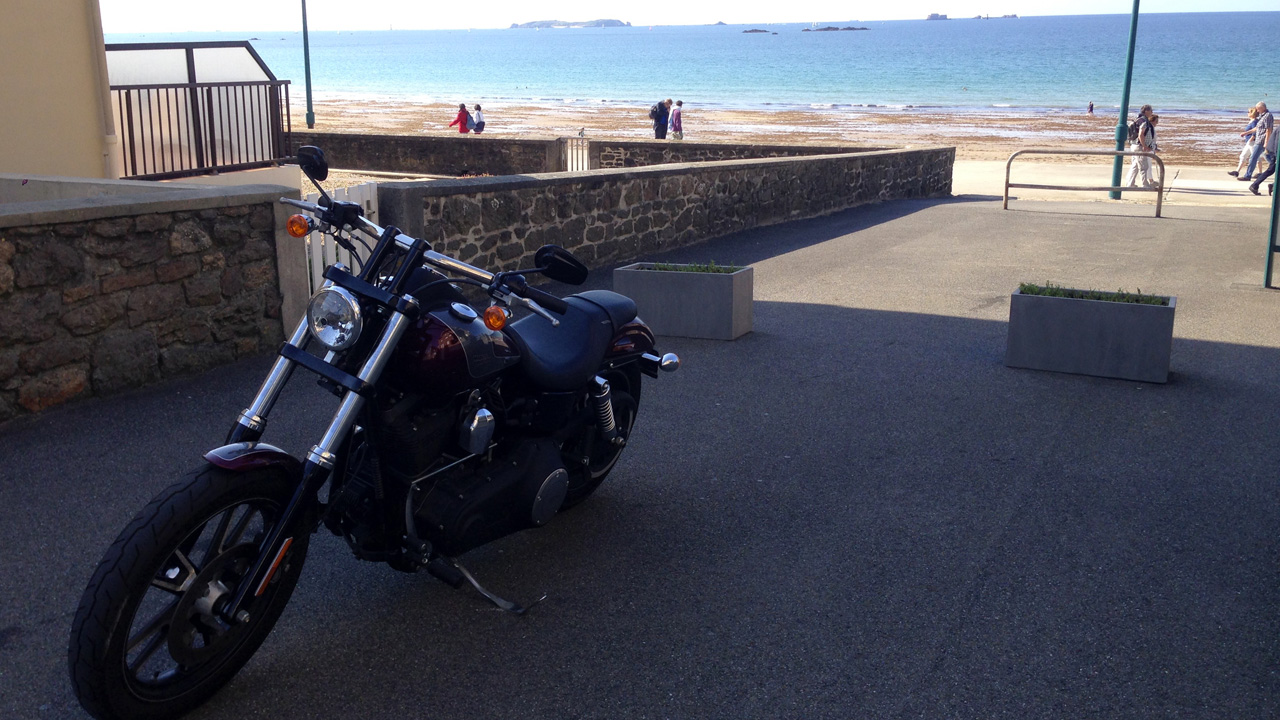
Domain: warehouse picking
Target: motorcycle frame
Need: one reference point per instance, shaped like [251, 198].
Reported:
[243, 451]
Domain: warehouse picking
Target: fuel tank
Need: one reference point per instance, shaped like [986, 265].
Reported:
[447, 351]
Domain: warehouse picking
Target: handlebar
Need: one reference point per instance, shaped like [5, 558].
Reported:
[547, 300]
[532, 298]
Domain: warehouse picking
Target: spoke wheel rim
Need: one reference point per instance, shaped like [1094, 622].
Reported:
[162, 658]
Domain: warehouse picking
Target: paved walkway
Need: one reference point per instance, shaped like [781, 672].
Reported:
[854, 511]
[1184, 185]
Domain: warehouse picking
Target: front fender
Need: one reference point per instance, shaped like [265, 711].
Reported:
[244, 456]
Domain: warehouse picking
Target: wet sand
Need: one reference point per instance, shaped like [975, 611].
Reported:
[1190, 139]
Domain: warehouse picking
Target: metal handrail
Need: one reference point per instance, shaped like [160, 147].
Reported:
[1158, 189]
[177, 130]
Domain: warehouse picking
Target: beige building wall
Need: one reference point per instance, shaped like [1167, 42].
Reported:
[54, 96]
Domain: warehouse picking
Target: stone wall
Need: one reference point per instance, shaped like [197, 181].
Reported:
[105, 296]
[610, 216]
[435, 155]
[618, 154]
[459, 155]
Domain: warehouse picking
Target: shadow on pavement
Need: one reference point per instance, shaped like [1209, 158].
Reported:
[846, 512]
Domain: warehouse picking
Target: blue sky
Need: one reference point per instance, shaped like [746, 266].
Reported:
[142, 16]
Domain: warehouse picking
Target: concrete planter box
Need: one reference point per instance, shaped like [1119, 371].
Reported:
[715, 306]
[1090, 337]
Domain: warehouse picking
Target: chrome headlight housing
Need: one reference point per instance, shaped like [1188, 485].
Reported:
[333, 316]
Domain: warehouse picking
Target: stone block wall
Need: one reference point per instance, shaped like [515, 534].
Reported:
[459, 155]
[619, 154]
[611, 216]
[435, 155]
[95, 302]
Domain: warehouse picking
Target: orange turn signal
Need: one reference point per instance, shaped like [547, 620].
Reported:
[298, 225]
[495, 317]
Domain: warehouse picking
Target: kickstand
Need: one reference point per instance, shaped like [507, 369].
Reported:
[501, 604]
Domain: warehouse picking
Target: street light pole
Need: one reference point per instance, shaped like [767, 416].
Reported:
[1122, 129]
[306, 64]
[1273, 242]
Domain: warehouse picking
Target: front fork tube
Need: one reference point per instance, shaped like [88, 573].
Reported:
[315, 472]
[253, 420]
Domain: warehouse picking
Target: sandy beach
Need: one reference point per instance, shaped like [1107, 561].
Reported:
[1207, 140]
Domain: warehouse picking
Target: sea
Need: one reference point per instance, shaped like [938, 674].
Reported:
[1185, 62]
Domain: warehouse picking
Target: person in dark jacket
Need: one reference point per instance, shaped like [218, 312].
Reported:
[461, 120]
[660, 122]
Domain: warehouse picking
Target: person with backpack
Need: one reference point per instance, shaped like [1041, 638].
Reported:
[659, 114]
[1142, 138]
[479, 120]
[463, 121]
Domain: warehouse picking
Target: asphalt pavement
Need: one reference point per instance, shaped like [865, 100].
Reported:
[854, 511]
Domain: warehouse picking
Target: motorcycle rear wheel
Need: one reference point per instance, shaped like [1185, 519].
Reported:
[600, 456]
[145, 642]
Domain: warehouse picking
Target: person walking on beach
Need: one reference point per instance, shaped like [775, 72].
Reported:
[1246, 154]
[1144, 142]
[677, 122]
[661, 113]
[479, 120]
[1266, 129]
[463, 119]
[1258, 142]
[1089, 112]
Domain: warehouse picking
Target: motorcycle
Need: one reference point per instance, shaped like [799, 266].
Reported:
[456, 426]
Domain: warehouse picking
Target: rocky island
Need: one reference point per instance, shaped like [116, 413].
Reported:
[539, 24]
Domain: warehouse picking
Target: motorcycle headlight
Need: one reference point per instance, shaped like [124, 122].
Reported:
[334, 318]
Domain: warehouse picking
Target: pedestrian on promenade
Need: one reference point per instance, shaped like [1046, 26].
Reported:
[1260, 140]
[1144, 142]
[677, 121]
[1246, 153]
[479, 119]
[661, 113]
[463, 119]
[1266, 133]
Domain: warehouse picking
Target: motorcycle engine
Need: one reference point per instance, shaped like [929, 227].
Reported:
[524, 488]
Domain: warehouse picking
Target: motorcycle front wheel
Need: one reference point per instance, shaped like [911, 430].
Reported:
[147, 640]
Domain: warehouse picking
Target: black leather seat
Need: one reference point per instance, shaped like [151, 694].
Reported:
[564, 358]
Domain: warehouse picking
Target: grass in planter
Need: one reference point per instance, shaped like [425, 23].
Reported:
[709, 267]
[1051, 290]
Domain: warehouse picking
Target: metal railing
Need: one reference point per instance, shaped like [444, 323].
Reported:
[1158, 189]
[184, 129]
[577, 155]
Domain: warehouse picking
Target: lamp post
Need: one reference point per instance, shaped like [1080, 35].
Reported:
[306, 64]
[1273, 242]
[1122, 130]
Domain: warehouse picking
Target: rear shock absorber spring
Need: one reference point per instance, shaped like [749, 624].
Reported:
[603, 399]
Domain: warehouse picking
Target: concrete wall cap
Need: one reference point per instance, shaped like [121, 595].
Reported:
[172, 198]
[435, 188]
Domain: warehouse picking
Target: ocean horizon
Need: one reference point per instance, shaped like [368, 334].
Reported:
[1185, 62]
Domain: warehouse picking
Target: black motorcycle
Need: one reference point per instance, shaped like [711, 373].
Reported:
[456, 426]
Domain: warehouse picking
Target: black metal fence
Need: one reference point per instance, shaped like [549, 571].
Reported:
[185, 129]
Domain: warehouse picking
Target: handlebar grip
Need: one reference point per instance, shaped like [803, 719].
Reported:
[547, 300]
